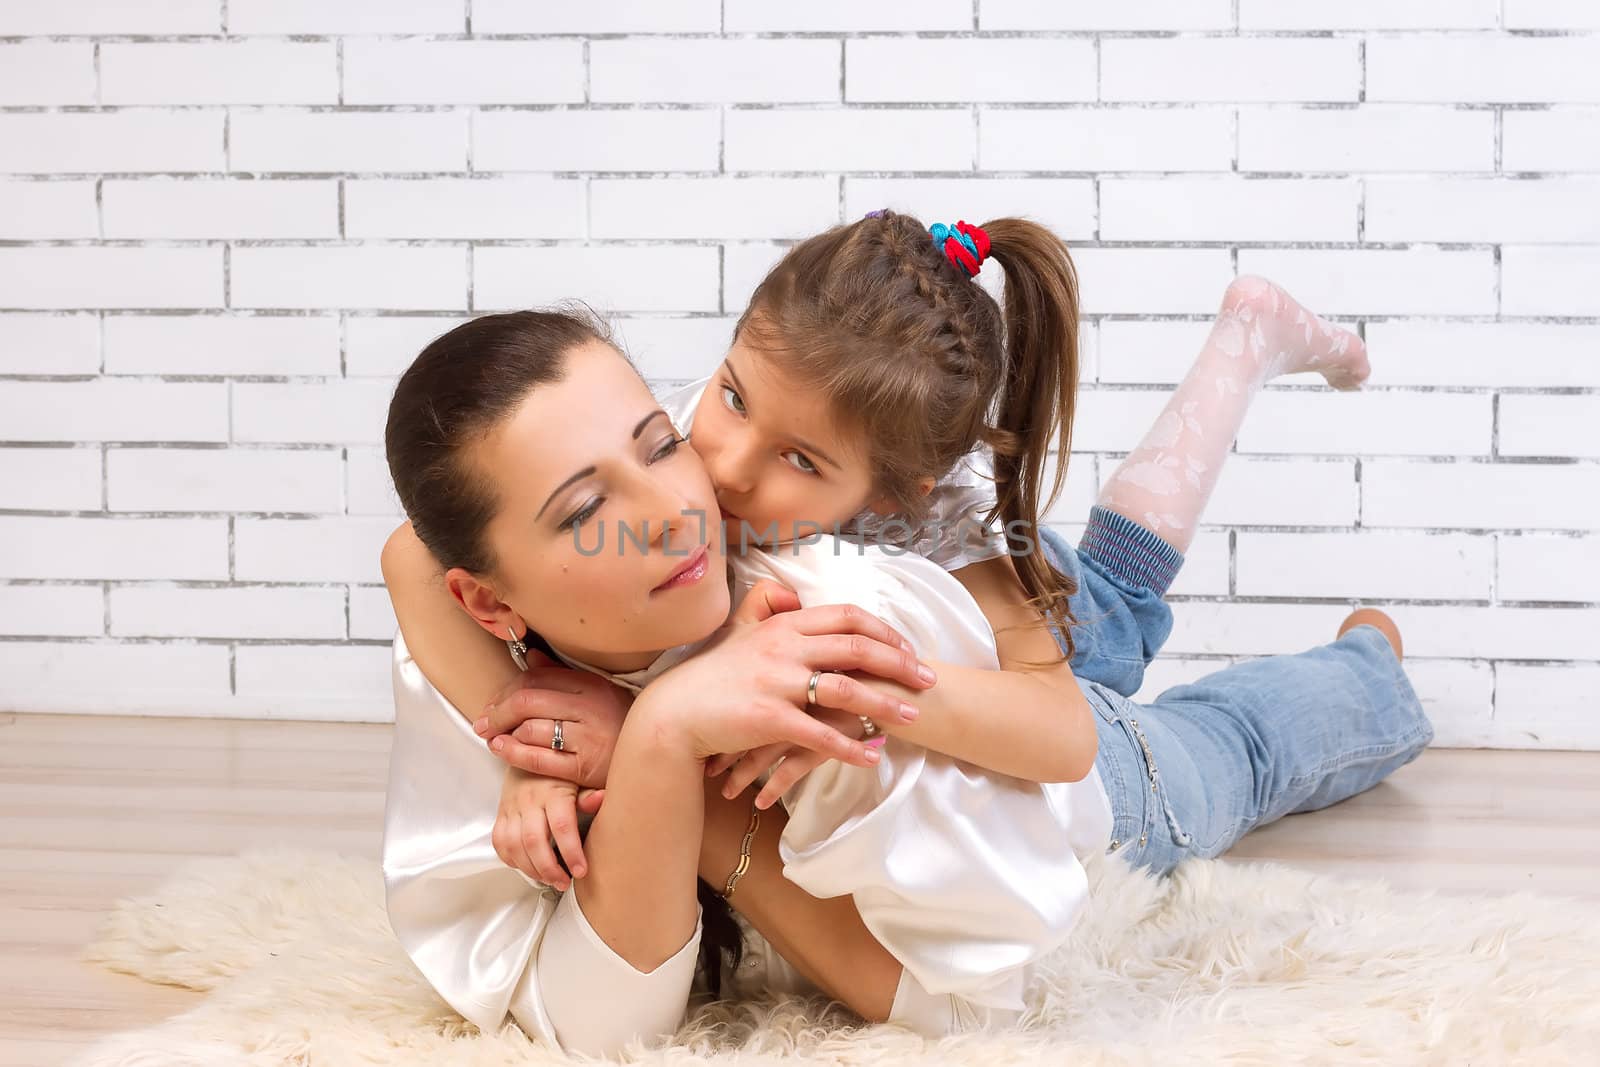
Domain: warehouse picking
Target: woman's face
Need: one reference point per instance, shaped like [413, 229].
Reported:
[778, 460]
[605, 538]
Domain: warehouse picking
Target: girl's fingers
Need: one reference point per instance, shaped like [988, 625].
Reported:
[562, 815]
[750, 768]
[589, 800]
[788, 774]
[515, 852]
[720, 763]
[536, 840]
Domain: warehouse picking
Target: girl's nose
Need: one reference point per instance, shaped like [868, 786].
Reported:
[732, 470]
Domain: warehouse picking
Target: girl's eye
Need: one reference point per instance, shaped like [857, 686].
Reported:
[804, 465]
[668, 447]
[584, 514]
[732, 399]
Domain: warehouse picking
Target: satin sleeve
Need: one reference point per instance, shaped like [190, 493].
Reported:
[967, 877]
[490, 940]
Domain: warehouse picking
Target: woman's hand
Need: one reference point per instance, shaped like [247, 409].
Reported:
[521, 722]
[749, 687]
[532, 811]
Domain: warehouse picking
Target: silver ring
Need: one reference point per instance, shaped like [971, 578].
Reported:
[558, 742]
[811, 687]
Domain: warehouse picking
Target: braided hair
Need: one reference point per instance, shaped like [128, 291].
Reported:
[925, 365]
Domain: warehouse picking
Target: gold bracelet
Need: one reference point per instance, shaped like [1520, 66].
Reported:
[744, 853]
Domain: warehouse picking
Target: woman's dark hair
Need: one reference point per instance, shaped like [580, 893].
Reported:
[457, 390]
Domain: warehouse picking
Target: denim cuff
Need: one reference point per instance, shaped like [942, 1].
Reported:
[1129, 552]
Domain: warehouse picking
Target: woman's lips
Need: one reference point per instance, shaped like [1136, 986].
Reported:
[691, 571]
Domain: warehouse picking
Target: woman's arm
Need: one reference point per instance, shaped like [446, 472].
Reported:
[643, 846]
[824, 939]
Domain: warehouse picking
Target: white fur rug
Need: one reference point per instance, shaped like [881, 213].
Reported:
[1219, 963]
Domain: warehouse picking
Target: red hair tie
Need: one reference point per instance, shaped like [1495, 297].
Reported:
[966, 246]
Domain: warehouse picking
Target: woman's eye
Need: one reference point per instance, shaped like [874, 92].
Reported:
[803, 465]
[732, 399]
[584, 514]
[668, 447]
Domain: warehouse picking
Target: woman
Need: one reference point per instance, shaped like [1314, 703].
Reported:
[613, 958]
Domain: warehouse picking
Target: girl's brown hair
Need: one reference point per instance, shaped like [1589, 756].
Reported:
[917, 357]
[461, 386]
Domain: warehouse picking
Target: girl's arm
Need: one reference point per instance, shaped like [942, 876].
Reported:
[1024, 720]
[1028, 720]
[466, 665]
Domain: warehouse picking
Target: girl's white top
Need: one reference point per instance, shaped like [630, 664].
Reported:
[965, 876]
[951, 534]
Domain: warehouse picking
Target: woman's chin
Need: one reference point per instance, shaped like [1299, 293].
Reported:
[700, 612]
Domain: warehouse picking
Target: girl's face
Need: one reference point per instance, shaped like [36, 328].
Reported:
[605, 534]
[781, 466]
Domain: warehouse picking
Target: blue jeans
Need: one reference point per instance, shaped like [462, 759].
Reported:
[1206, 763]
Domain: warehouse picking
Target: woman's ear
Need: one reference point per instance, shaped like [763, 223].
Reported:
[480, 601]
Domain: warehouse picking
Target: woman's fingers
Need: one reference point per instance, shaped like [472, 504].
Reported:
[513, 709]
[537, 759]
[856, 652]
[843, 693]
[765, 599]
[848, 619]
[796, 726]
[541, 733]
[562, 814]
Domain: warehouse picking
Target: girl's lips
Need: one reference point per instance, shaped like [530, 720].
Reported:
[692, 570]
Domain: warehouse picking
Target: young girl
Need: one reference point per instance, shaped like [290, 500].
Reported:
[871, 379]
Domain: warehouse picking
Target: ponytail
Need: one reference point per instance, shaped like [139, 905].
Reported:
[1037, 399]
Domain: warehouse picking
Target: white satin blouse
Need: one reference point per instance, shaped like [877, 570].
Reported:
[965, 876]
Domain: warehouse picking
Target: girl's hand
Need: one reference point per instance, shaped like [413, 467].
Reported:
[521, 722]
[749, 687]
[532, 810]
[796, 762]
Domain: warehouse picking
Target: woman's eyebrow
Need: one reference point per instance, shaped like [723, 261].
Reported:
[639, 429]
[586, 472]
[806, 445]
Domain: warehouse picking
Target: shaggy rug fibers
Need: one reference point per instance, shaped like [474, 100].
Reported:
[1220, 963]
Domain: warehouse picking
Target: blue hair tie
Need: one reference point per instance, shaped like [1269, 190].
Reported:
[942, 233]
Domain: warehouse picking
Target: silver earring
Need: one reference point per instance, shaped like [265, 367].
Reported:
[519, 651]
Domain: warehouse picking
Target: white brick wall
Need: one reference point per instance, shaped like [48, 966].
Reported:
[226, 227]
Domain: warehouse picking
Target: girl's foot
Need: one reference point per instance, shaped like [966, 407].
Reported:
[1269, 327]
[1379, 621]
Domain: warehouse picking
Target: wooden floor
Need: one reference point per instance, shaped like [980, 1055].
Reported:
[92, 809]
